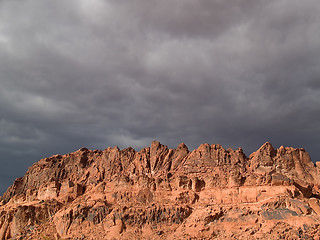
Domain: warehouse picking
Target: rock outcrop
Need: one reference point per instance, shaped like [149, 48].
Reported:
[162, 193]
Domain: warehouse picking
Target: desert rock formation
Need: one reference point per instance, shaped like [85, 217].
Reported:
[162, 193]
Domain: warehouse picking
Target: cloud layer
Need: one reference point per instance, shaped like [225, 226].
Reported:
[99, 73]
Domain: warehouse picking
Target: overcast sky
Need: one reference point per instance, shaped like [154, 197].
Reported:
[100, 73]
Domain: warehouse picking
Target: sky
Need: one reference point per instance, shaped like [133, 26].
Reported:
[100, 73]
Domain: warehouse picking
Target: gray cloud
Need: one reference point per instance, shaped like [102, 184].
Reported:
[103, 73]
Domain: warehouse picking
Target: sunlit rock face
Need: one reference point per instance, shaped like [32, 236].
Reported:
[162, 193]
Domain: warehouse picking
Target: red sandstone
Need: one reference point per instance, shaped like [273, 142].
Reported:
[162, 193]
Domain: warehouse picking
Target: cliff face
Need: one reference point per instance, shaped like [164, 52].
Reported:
[162, 193]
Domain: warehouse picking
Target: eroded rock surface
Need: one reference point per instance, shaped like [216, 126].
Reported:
[162, 193]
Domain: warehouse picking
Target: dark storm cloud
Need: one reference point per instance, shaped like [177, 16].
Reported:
[103, 73]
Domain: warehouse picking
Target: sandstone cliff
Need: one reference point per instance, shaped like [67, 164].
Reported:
[162, 193]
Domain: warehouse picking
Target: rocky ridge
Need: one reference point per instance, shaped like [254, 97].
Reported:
[162, 193]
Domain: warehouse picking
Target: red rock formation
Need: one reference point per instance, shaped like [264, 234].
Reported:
[162, 193]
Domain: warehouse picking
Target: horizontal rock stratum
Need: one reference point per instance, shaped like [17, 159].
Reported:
[162, 193]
